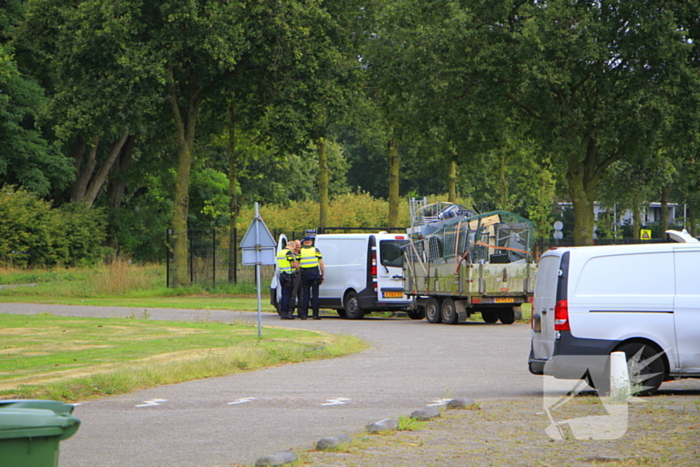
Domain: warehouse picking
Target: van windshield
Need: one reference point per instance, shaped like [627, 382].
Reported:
[391, 253]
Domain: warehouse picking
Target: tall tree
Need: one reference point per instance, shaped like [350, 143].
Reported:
[596, 79]
[28, 159]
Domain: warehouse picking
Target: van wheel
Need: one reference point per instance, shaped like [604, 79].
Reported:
[418, 313]
[449, 312]
[352, 306]
[506, 315]
[489, 316]
[647, 368]
[432, 311]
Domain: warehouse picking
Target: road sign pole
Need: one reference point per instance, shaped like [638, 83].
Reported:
[258, 248]
[258, 261]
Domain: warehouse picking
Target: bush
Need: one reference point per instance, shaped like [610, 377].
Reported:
[33, 234]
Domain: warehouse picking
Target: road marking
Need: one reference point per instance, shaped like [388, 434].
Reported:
[151, 402]
[242, 400]
[439, 402]
[336, 401]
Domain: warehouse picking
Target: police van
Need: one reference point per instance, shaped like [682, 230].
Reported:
[363, 273]
[641, 299]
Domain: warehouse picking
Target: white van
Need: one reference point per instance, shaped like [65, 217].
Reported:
[363, 273]
[641, 299]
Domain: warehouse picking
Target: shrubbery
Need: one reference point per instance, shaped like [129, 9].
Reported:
[34, 234]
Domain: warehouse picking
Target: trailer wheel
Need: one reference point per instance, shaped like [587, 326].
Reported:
[352, 306]
[506, 315]
[489, 316]
[449, 312]
[432, 310]
[418, 313]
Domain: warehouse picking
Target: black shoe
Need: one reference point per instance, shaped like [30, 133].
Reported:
[317, 317]
[302, 317]
[287, 317]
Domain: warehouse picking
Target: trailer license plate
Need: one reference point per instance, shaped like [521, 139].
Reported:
[393, 294]
[503, 300]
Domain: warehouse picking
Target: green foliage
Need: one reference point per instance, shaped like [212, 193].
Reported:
[27, 159]
[411, 424]
[349, 210]
[33, 234]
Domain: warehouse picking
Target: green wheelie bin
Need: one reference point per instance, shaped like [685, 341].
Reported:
[30, 431]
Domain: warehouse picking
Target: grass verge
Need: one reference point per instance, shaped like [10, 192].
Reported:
[64, 358]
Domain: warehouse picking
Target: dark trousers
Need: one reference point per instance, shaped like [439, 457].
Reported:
[309, 284]
[297, 295]
[287, 284]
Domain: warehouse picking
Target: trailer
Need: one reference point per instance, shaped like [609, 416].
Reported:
[458, 263]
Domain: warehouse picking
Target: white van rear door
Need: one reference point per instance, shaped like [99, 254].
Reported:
[687, 309]
[547, 278]
[390, 267]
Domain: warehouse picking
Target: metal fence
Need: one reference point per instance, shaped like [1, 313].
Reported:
[208, 262]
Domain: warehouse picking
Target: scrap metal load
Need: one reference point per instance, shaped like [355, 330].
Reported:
[459, 262]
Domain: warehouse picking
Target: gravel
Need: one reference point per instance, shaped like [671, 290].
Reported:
[657, 431]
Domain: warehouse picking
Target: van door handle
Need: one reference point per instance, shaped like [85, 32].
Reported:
[396, 276]
[544, 312]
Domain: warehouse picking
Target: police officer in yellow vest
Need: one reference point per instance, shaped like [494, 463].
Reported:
[287, 267]
[312, 271]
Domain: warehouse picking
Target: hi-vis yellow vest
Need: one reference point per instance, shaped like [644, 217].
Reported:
[283, 264]
[308, 258]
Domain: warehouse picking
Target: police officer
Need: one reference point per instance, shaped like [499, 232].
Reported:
[287, 267]
[312, 271]
[297, 294]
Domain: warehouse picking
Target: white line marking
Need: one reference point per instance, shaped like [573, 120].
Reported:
[151, 402]
[242, 400]
[336, 401]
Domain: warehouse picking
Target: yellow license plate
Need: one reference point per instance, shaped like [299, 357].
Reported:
[393, 294]
[503, 300]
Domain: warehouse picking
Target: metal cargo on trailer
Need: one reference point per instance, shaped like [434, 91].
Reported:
[459, 262]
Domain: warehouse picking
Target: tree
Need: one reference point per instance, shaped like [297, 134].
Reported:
[27, 159]
[596, 80]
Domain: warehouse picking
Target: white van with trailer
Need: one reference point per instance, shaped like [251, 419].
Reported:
[641, 299]
[363, 273]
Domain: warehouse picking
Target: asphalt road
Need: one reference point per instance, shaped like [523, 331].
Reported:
[236, 419]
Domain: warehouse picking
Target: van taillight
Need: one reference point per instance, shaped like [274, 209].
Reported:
[561, 316]
[373, 265]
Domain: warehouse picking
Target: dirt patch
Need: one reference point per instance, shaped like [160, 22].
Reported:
[656, 431]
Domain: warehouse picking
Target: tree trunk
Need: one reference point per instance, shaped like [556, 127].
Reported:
[98, 180]
[84, 171]
[664, 211]
[583, 189]
[503, 184]
[116, 188]
[636, 218]
[323, 200]
[185, 129]
[233, 195]
[693, 220]
[394, 166]
[117, 184]
[452, 183]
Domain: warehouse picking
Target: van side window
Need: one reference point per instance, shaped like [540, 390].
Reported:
[633, 274]
[687, 272]
[391, 252]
